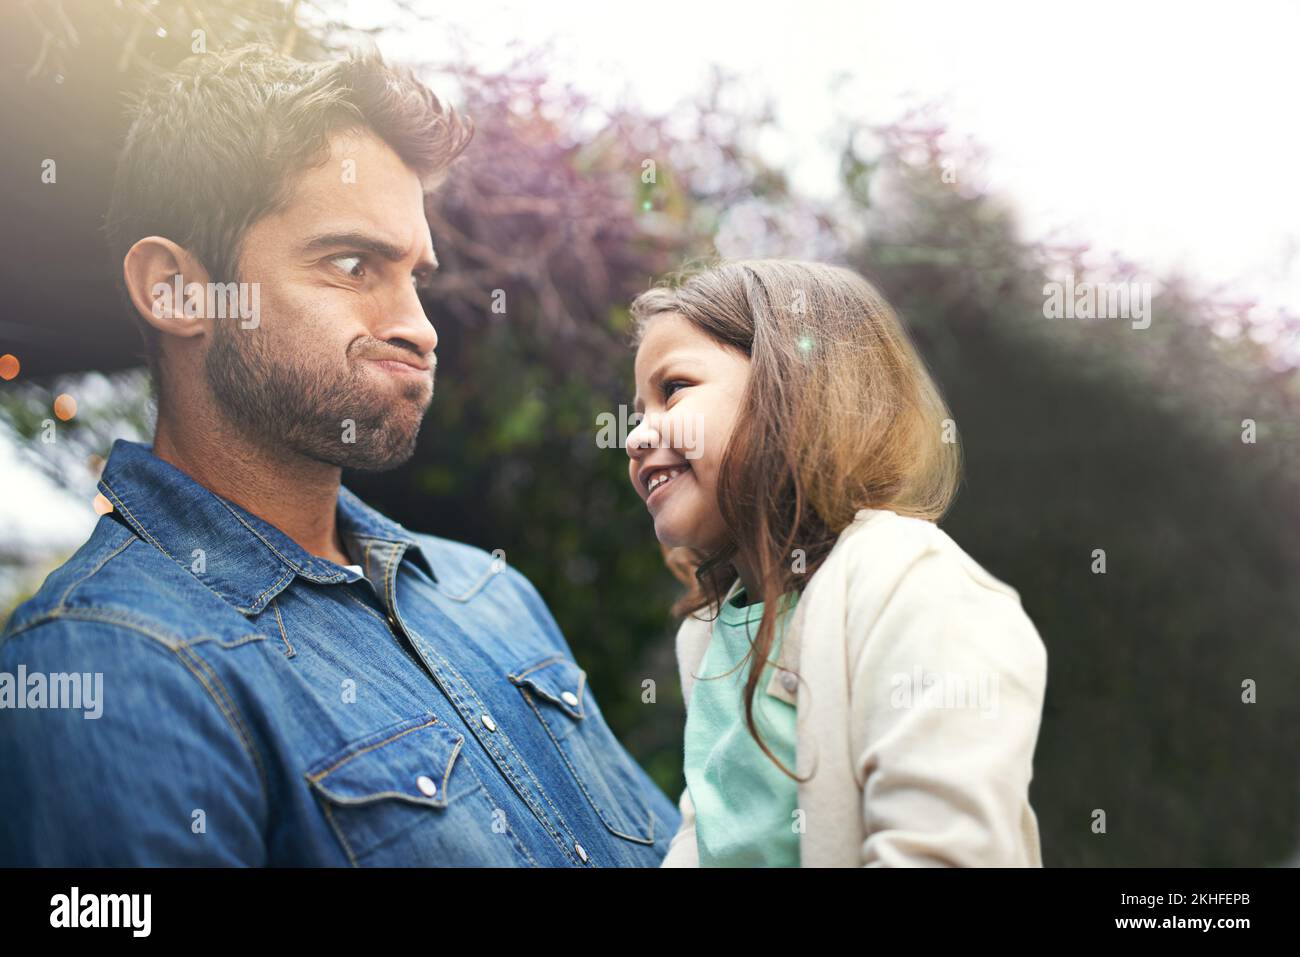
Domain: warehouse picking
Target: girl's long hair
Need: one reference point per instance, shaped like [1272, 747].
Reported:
[840, 414]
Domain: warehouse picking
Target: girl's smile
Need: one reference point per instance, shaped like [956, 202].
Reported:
[689, 392]
[657, 479]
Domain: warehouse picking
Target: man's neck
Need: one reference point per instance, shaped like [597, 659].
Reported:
[297, 495]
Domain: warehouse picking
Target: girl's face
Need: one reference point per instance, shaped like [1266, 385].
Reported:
[689, 388]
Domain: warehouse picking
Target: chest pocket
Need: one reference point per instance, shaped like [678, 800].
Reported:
[556, 689]
[404, 795]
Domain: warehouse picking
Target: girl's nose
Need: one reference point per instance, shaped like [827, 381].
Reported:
[642, 439]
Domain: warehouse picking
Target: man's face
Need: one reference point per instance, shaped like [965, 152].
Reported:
[337, 269]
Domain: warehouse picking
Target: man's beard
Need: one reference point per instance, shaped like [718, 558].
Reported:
[284, 401]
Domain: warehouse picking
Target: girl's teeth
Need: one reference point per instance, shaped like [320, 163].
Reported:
[661, 478]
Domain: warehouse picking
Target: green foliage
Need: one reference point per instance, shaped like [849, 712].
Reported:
[1082, 435]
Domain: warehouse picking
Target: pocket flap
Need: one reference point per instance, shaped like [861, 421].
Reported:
[411, 761]
[559, 680]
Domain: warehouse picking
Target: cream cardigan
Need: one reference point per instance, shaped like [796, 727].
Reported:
[934, 780]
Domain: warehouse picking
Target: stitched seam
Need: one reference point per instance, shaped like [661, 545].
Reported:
[185, 653]
[338, 832]
[371, 539]
[540, 664]
[477, 587]
[490, 744]
[582, 684]
[446, 775]
[274, 587]
[101, 615]
[370, 747]
[493, 808]
[230, 644]
[142, 530]
[180, 649]
[578, 779]
[475, 786]
[365, 607]
[541, 789]
[117, 501]
[275, 551]
[106, 616]
[390, 593]
[63, 601]
[275, 606]
[365, 558]
[111, 617]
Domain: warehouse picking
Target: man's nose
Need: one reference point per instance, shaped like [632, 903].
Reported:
[407, 320]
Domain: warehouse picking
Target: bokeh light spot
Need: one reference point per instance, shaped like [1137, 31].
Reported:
[65, 406]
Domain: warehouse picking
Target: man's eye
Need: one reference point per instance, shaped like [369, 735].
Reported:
[352, 265]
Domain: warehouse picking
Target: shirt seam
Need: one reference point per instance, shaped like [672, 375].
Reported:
[178, 647]
[140, 532]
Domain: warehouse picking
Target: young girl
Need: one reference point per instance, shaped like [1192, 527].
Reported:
[859, 691]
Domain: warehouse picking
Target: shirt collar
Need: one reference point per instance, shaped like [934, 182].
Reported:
[245, 559]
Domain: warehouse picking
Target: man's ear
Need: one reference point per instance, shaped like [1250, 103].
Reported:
[151, 268]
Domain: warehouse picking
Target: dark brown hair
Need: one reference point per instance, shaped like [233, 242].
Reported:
[213, 146]
[839, 414]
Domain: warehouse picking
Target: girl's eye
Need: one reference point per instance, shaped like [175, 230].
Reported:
[352, 265]
[671, 386]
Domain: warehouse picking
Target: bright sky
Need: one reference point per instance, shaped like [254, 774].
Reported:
[1164, 131]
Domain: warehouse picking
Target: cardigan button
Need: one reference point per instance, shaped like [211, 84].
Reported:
[790, 681]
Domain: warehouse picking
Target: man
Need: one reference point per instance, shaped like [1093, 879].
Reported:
[280, 674]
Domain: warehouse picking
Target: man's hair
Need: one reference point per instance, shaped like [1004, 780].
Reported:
[214, 146]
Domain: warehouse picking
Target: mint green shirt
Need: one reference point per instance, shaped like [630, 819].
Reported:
[744, 804]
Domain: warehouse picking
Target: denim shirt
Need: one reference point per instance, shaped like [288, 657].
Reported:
[259, 705]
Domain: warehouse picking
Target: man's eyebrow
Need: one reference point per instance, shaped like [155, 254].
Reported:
[364, 243]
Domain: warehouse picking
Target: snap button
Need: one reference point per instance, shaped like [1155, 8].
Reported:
[790, 681]
[426, 785]
[570, 698]
[489, 723]
[581, 853]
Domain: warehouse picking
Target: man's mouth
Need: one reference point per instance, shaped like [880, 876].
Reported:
[399, 368]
